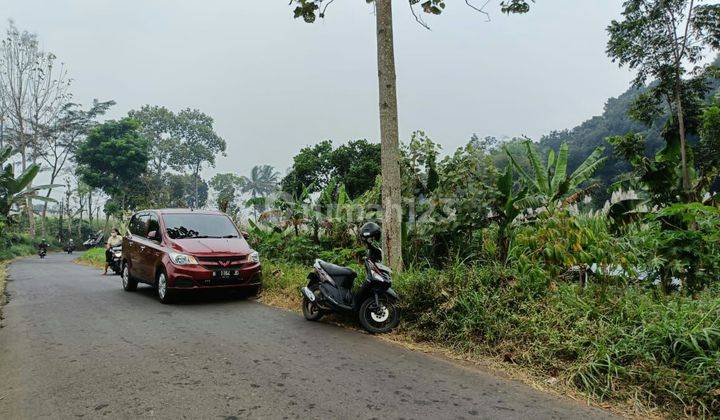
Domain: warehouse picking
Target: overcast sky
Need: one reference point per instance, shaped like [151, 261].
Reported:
[275, 84]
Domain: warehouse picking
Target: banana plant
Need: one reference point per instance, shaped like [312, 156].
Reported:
[551, 183]
[506, 208]
[14, 190]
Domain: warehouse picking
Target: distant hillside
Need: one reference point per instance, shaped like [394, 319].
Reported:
[613, 121]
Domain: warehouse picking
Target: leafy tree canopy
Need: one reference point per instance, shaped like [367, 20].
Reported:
[355, 165]
[113, 157]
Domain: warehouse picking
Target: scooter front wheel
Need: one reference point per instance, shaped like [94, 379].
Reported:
[379, 317]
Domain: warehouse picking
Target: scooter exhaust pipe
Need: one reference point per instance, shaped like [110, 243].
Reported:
[308, 293]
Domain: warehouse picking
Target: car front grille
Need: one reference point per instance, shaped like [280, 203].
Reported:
[224, 263]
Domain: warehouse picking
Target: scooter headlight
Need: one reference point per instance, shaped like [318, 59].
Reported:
[118, 254]
[182, 259]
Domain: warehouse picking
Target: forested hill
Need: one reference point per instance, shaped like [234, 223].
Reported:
[613, 121]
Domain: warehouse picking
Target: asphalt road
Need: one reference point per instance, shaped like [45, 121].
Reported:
[74, 344]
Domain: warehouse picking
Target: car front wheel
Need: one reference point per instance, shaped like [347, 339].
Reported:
[129, 283]
[164, 294]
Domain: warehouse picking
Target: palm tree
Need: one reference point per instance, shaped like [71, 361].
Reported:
[262, 182]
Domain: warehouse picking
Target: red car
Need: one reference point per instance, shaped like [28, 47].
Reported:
[182, 249]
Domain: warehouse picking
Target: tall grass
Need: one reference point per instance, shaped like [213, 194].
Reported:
[617, 343]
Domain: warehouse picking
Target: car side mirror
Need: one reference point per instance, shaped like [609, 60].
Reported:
[245, 234]
[153, 235]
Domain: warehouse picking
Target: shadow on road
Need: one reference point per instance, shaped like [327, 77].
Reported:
[194, 297]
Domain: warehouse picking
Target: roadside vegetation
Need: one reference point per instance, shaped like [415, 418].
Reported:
[620, 301]
[94, 257]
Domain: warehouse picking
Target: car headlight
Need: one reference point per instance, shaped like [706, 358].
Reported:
[182, 259]
[254, 257]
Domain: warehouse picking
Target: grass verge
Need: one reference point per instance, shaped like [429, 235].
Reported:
[93, 257]
[622, 348]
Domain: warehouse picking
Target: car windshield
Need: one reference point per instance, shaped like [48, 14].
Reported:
[189, 225]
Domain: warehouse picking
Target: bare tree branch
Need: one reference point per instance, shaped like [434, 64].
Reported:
[480, 10]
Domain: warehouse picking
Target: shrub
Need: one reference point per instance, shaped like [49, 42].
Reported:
[560, 241]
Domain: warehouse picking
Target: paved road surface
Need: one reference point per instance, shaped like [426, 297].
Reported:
[74, 344]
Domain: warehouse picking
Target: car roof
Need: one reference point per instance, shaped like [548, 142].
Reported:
[181, 211]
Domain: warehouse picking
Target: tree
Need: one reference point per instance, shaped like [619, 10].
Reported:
[113, 158]
[184, 189]
[311, 169]
[261, 183]
[657, 177]
[660, 39]
[62, 138]
[355, 164]
[227, 186]
[390, 155]
[33, 90]
[160, 127]
[198, 145]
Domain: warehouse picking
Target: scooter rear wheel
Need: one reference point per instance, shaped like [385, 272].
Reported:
[310, 309]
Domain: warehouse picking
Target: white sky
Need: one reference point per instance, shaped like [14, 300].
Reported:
[275, 84]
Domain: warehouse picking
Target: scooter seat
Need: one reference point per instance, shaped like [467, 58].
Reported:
[336, 270]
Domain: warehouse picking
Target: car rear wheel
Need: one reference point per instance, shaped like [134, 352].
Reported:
[161, 285]
[129, 283]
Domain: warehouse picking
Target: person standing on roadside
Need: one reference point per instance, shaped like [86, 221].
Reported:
[114, 240]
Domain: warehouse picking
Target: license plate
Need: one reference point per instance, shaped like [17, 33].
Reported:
[226, 273]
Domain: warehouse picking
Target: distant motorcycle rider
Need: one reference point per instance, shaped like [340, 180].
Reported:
[43, 247]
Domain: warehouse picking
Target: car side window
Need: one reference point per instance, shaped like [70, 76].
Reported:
[132, 226]
[153, 224]
[142, 224]
[138, 224]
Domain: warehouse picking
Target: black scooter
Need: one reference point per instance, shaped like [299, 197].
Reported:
[330, 289]
[42, 252]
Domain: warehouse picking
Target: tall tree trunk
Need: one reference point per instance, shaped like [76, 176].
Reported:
[69, 217]
[390, 154]
[43, 220]
[195, 188]
[28, 202]
[90, 209]
[60, 219]
[683, 157]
